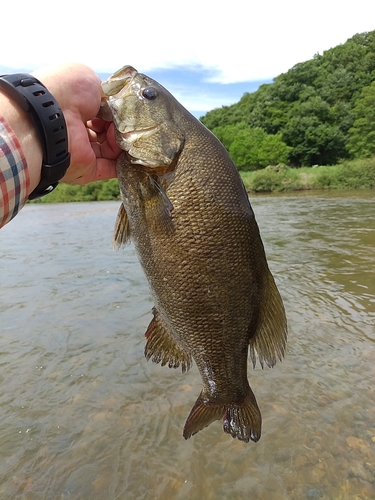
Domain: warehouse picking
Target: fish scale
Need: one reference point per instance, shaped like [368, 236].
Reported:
[187, 212]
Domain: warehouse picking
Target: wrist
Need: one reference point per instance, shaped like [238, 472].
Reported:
[48, 119]
[27, 135]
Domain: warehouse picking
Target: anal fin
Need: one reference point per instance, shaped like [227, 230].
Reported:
[162, 347]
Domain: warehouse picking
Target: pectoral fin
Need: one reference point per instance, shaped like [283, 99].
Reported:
[162, 347]
[121, 233]
[269, 340]
[159, 207]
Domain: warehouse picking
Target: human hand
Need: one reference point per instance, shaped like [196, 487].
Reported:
[92, 144]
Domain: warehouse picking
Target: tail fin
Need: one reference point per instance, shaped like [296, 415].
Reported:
[241, 420]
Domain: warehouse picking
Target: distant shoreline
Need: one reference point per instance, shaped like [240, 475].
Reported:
[354, 174]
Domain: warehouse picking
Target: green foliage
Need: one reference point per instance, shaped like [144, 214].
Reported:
[96, 191]
[244, 148]
[350, 174]
[252, 148]
[273, 150]
[277, 179]
[109, 190]
[314, 105]
[314, 142]
[362, 134]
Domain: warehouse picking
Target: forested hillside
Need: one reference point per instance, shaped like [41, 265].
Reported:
[318, 113]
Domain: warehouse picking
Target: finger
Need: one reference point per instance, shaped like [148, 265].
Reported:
[98, 125]
[105, 150]
[93, 136]
[111, 139]
[105, 169]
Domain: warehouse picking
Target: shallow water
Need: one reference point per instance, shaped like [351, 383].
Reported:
[83, 415]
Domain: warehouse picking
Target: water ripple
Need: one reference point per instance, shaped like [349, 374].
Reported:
[83, 415]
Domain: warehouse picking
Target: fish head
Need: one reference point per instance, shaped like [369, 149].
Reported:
[144, 115]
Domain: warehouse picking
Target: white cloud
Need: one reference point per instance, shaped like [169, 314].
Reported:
[202, 102]
[240, 40]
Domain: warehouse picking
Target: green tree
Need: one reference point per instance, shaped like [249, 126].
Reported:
[244, 149]
[109, 190]
[227, 133]
[273, 150]
[313, 141]
[362, 133]
[251, 147]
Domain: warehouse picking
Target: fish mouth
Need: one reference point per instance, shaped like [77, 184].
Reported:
[118, 83]
[115, 87]
[132, 134]
[119, 86]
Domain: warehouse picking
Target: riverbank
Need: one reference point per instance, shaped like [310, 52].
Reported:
[349, 175]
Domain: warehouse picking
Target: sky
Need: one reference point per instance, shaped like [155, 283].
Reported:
[206, 53]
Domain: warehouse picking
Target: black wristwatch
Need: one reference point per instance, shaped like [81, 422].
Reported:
[49, 122]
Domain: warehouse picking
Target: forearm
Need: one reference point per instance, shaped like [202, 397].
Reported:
[20, 158]
[23, 128]
[34, 127]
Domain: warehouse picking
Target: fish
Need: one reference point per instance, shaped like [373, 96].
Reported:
[186, 210]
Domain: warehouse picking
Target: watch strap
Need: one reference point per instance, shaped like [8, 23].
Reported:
[48, 119]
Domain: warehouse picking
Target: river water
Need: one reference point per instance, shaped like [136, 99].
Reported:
[84, 416]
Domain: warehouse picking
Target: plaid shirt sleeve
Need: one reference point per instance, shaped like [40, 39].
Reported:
[14, 174]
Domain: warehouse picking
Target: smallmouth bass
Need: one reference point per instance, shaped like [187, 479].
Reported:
[185, 208]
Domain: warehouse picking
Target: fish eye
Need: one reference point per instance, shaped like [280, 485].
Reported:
[150, 93]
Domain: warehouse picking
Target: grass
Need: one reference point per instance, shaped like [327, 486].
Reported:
[95, 191]
[348, 175]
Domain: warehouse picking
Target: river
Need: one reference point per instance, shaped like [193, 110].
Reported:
[84, 416]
